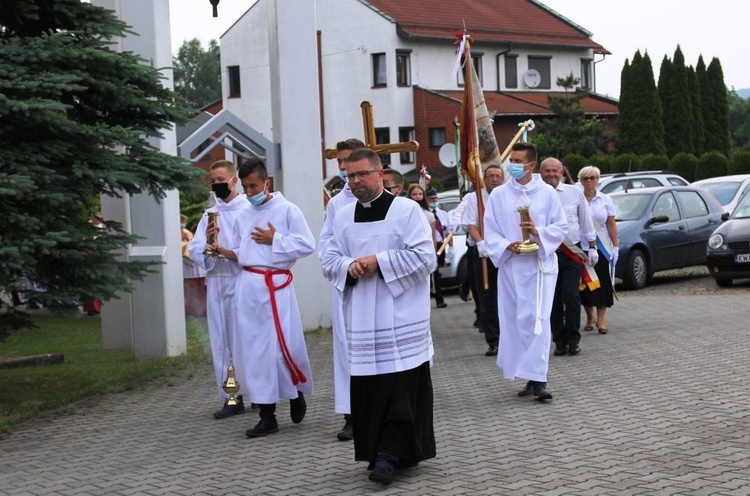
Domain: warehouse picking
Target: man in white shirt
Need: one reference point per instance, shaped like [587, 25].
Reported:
[565, 320]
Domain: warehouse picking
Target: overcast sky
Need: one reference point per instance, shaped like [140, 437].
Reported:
[715, 29]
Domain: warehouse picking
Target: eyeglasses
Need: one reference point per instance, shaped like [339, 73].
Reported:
[361, 175]
[589, 178]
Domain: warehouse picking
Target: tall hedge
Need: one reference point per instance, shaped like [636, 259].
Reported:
[684, 164]
[712, 164]
[603, 162]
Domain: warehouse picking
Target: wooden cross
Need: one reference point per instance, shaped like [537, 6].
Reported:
[369, 126]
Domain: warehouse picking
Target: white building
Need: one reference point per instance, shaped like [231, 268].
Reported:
[399, 55]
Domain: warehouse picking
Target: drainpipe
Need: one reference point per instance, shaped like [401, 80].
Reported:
[604, 56]
[497, 64]
[320, 102]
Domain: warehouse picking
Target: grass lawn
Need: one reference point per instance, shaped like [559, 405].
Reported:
[87, 372]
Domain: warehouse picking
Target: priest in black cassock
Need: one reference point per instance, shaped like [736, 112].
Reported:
[380, 260]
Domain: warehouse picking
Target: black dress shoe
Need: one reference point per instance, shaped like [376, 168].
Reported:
[298, 408]
[541, 392]
[230, 410]
[347, 433]
[560, 350]
[265, 426]
[442, 305]
[528, 390]
[385, 469]
[476, 323]
[574, 350]
[491, 351]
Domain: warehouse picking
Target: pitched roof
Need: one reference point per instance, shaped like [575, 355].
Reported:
[526, 22]
[533, 103]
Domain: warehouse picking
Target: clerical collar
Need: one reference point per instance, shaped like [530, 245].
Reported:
[369, 204]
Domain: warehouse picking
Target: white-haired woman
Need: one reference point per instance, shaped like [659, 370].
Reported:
[597, 301]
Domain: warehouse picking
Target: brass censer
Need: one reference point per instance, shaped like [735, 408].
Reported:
[230, 384]
[527, 246]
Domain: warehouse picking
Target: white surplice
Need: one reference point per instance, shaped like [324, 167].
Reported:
[525, 283]
[387, 319]
[264, 370]
[221, 276]
[342, 403]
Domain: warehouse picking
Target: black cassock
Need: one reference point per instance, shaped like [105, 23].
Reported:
[391, 413]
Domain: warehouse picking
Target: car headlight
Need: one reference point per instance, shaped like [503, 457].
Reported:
[715, 241]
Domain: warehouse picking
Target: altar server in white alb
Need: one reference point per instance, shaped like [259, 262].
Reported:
[342, 404]
[525, 281]
[380, 259]
[221, 276]
[269, 238]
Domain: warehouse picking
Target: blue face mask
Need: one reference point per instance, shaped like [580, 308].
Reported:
[257, 199]
[516, 171]
[342, 175]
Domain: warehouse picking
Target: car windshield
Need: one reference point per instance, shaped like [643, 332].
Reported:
[743, 208]
[723, 191]
[631, 206]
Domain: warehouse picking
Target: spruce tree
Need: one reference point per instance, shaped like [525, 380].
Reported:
[708, 110]
[717, 129]
[76, 117]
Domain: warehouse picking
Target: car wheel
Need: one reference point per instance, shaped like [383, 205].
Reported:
[636, 270]
[723, 282]
[461, 273]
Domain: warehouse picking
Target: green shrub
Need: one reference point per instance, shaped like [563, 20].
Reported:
[604, 162]
[628, 162]
[740, 163]
[652, 162]
[684, 164]
[712, 164]
[574, 163]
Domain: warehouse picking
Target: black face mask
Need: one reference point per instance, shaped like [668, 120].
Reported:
[221, 190]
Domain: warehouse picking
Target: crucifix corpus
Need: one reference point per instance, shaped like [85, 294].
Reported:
[369, 127]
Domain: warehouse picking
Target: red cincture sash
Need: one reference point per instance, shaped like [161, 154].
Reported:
[588, 274]
[294, 370]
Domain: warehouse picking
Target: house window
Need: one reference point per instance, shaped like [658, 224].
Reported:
[406, 134]
[511, 71]
[476, 59]
[403, 67]
[586, 76]
[437, 137]
[378, 70]
[234, 81]
[542, 65]
[382, 137]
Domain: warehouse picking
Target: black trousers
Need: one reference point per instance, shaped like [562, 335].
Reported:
[437, 280]
[471, 257]
[488, 319]
[565, 320]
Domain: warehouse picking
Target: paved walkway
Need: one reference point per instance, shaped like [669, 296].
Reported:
[657, 406]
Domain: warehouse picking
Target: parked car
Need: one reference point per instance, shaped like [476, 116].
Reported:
[727, 189]
[728, 254]
[610, 183]
[661, 229]
[455, 273]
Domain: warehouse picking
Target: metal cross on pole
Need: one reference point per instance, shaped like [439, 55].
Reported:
[369, 127]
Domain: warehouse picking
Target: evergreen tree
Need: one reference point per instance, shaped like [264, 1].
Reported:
[570, 131]
[650, 118]
[675, 100]
[685, 165]
[717, 128]
[76, 118]
[699, 133]
[627, 118]
[197, 73]
[707, 108]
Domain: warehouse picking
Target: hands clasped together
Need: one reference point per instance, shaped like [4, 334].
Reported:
[363, 267]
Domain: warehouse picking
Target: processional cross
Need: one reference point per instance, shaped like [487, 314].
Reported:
[369, 127]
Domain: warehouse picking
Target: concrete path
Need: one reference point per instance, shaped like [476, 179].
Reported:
[660, 405]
